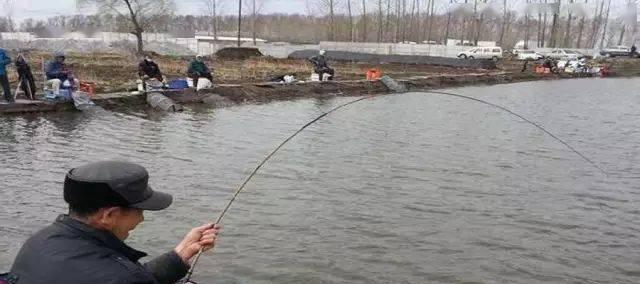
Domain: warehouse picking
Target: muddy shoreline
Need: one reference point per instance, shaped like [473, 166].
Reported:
[229, 95]
[226, 95]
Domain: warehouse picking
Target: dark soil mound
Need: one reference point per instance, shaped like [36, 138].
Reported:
[238, 53]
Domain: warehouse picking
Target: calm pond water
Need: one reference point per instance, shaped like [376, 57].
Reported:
[410, 188]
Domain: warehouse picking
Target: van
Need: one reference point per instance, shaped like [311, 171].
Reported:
[494, 53]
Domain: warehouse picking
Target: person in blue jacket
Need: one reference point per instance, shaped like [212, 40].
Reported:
[4, 79]
[58, 73]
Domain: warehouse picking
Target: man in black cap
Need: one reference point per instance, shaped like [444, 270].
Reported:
[106, 201]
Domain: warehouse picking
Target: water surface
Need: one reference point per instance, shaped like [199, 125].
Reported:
[412, 188]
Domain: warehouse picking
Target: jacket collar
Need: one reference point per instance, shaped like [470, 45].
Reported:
[106, 238]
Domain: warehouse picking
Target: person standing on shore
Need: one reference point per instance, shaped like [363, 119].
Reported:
[4, 79]
[25, 77]
[106, 201]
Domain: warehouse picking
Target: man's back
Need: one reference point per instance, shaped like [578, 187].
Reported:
[4, 61]
[68, 251]
[150, 69]
[55, 70]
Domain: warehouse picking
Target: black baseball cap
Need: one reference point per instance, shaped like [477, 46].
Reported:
[113, 183]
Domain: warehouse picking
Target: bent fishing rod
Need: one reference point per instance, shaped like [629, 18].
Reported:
[268, 157]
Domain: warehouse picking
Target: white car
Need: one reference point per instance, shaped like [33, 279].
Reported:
[565, 54]
[529, 55]
[615, 51]
[493, 53]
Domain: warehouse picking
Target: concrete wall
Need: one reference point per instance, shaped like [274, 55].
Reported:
[395, 48]
[403, 59]
[17, 36]
[111, 37]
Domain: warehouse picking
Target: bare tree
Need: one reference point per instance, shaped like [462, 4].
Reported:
[567, 32]
[8, 8]
[503, 29]
[431, 12]
[330, 6]
[214, 7]
[141, 14]
[350, 13]
[606, 22]
[254, 8]
[446, 31]
[364, 21]
[581, 29]
[380, 20]
[404, 20]
[387, 22]
[553, 38]
[595, 25]
[239, 22]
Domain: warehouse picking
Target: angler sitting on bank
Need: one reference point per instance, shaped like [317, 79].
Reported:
[198, 69]
[147, 69]
[58, 74]
[106, 201]
[321, 67]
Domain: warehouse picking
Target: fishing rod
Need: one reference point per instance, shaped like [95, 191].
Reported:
[253, 173]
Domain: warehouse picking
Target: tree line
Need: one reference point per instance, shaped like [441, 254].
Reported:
[431, 21]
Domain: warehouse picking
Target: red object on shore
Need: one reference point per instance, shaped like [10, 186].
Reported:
[605, 70]
[88, 87]
[374, 74]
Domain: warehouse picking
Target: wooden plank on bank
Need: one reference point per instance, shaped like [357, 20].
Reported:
[21, 106]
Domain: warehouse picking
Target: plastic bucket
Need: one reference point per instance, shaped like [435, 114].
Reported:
[178, 84]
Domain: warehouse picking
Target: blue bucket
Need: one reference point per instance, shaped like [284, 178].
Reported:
[178, 84]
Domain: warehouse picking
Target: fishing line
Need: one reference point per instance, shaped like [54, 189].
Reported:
[526, 120]
[253, 173]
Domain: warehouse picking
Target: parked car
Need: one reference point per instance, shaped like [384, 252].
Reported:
[565, 54]
[494, 53]
[615, 51]
[529, 55]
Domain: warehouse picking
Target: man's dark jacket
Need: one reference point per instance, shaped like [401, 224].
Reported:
[56, 70]
[150, 69]
[71, 252]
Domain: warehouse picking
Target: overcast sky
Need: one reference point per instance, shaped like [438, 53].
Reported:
[46, 8]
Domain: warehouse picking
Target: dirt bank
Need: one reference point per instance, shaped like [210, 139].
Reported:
[118, 73]
[230, 94]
